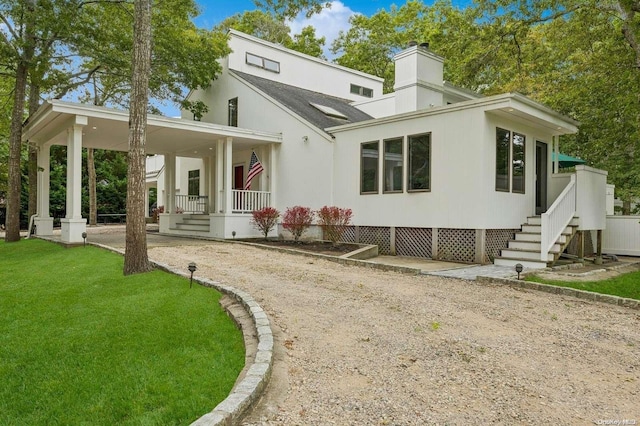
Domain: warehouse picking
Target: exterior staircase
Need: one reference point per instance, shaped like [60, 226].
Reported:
[525, 247]
[194, 223]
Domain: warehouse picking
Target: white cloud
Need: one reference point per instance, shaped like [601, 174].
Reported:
[327, 23]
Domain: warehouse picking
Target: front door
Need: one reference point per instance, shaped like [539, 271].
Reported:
[238, 177]
[541, 177]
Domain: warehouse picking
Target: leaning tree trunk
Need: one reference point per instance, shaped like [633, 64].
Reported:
[136, 258]
[91, 172]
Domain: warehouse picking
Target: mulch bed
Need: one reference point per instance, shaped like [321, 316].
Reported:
[321, 247]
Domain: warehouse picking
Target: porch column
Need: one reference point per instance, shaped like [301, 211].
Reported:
[170, 183]
[272, 173]
[228, 176]
[556, 149]
[44, 223]
[73, 225]
[264, 176]
[209, 187]
[219, 177]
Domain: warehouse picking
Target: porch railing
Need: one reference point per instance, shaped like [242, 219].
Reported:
[192, 204]
[248, 201]
[557, 217]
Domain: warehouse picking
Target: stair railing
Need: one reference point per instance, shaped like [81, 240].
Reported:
[557, 217]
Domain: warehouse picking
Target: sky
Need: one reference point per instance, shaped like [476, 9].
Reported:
[328, 23]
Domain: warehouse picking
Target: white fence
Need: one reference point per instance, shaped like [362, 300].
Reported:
[556, 219]
[248, 201]
[192, 204]
[622, 236]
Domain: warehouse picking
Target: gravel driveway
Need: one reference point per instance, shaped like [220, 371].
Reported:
[366, 347]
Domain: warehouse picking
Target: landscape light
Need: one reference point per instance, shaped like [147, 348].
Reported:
[192, 268]
[84, 237]
[519, 269]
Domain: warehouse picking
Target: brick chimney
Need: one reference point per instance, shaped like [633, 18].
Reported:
[419, 78]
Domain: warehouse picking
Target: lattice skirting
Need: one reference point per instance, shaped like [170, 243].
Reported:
[414, 242]
[496, 240]
[456, 244]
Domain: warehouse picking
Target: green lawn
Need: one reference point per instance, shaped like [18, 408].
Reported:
[626, 285]
[82, 344]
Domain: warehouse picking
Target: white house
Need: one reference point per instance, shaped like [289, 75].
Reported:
[430, 170]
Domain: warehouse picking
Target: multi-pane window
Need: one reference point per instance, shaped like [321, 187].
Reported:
[369, 155]
[265, 63]
[419, 163]
[233, 112]
[194, 182]
[510, 161]
[362, 91]
[393, 161]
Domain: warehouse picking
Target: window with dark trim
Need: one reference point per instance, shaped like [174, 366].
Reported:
[362, 91]
[233, 112]
[194, 182]
[369, 155]
[419, 162]
[510, 161]
[393, 165]
[264, 63]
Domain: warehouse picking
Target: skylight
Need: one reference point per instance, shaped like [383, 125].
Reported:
[331, 112]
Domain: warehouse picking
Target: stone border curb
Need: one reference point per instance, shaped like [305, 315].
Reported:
[564, 291]
[250, 388]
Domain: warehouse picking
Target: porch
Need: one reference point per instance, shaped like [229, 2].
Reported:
[219, 148]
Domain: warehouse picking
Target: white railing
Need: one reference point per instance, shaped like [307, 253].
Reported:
[557, 217]
[248, 201]
[192, 204]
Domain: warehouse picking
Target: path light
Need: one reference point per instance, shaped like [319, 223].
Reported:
[518, 269]
[233, 234]
[192, 268]
[84, 237]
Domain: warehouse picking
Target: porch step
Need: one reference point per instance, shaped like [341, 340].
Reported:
[525, 254]
[537, 220]
[527, 264]
[193, 222]
[529, 245]
[191, 227]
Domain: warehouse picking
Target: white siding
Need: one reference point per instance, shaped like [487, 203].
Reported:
[622, 236]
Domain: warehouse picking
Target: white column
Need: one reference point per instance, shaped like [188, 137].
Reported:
[170, 183]
[556, 149]
[273, 173]
[209, 184]
[44, 223]
[219, 177]
[264, 176]
[228, 175]
[73, 225]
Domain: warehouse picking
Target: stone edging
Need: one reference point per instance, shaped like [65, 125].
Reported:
[566, 291]
[250, 388]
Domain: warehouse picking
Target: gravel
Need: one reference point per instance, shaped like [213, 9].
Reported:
[357, 346]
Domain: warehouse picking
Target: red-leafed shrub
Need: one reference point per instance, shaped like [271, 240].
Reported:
[296, 220]
[265, 219]
[334, 222]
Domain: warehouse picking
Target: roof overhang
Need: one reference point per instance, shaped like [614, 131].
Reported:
[107, 128]
[511, 106]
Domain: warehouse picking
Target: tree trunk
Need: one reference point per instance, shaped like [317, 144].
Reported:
[136, 258]
[15, 142]
[91, 171]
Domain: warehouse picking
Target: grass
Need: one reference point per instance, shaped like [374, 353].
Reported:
[82, 344]
[625, 285]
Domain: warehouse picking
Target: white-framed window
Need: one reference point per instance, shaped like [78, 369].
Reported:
[393, 164]
[419, 162]
[194, 182]
[369, 165]
[264, 63]
[362, 91]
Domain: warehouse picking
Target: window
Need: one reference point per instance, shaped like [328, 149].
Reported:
[194, 182]
[517, 166]
[369, 154]
[419, 163]
[393, 161]
[327, 110]
[260, 62]
[233, 112]
[362, 91]
[510, 161]
[503, 157]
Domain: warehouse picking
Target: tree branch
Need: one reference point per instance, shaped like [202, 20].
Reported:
[76, 84]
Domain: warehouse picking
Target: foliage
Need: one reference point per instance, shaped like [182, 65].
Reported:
[334, 222]
[93, 349]
[296, 220]
[625, 285]
[265, 219]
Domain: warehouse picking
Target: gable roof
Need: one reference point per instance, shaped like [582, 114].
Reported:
[301, 101]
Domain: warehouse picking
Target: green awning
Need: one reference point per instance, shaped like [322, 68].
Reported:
[566, 160]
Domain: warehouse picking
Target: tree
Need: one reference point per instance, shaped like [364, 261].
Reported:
[136, 259]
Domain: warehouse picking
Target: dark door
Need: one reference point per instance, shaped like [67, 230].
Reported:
[238, 177]
[541, 177]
